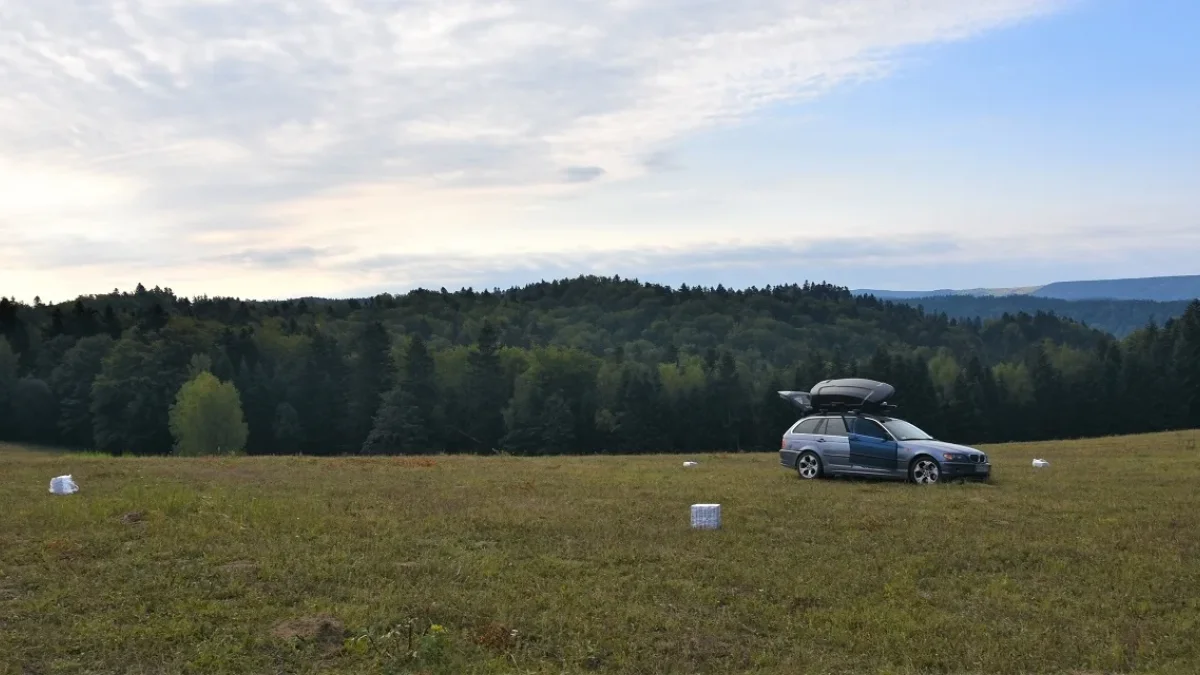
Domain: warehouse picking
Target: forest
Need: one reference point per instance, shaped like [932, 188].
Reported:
[574, 366]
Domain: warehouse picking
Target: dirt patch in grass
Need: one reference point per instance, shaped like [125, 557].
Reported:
[64, 549]
[324, 631]
[133, 517]
[496, 637]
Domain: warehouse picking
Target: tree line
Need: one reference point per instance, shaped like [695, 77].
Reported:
[586, 365]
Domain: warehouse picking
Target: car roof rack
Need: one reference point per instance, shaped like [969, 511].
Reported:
[848, 395]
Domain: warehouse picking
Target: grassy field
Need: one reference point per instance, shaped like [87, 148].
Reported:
[565, 565]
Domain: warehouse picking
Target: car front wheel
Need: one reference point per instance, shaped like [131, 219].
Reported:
[924, 471]
[809, 465]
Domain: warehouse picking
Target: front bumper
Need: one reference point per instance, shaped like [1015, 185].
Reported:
[977, 470]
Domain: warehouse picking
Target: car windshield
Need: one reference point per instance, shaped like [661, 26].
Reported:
[905, 431]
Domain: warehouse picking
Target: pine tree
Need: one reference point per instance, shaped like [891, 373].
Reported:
[34, 410]
[83, 321]
[72, 381]
[486, 393]
[286, 429]
[372, 375]
[8, 389]
[132, 393]
[972, 403]
[260, 405]
[13, 329]
[640, 414]
[557, 423]
[725, 403]
[112, 323]
[320, 396]
[395, 430]
[420, 379]
[1047, 395]
[1187, 365]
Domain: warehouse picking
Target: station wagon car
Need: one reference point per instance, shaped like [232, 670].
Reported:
[846, 432]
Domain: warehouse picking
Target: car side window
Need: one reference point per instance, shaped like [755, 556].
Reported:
[870, 428]
[820, 427]
[835, 426]
[807, 426]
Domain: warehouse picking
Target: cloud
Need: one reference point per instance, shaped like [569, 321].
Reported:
[277, 258]
[358, 83]
[159, 122]
[583, 174]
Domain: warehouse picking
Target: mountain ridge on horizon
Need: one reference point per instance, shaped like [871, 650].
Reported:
[1159, 289]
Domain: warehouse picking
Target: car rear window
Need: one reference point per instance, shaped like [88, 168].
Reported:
[807, 426]
[836, 426]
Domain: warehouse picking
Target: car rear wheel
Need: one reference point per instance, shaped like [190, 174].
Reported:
[809, 465]
[924, 471]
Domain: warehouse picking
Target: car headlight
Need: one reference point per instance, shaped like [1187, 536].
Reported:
[954, 457]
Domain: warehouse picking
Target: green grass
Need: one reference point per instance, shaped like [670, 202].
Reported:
[1090, 566]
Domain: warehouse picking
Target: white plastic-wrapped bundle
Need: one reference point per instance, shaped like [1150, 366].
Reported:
[1040, 464]
[706, 516]
[689, 464]
[63, 485]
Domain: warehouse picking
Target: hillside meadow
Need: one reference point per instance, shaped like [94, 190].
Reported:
[587, 564]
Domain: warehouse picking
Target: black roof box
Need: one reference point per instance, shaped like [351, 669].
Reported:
[844, 394]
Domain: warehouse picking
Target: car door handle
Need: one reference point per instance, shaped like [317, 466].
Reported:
[820, 440]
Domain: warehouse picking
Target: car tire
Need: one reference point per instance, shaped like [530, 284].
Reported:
[808, 466]
[924, 470]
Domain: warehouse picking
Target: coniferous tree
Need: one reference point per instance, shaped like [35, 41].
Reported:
[112, 323]
[286, 430]
[557, 422]
[260, 406]
[639, 411]
[320, 396]
[34, 410]
[396, 427]
[8, 389]
[420, 379]
[83, 321]
[1187, 365]
[71, 382]
[373, 374]
[1048, 398]
[13, 330]
[486, 391]
[132, 394]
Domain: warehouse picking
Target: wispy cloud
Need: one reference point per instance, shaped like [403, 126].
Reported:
[162, 121]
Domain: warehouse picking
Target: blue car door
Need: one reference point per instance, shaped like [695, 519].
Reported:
[834, 443]
[871, 447]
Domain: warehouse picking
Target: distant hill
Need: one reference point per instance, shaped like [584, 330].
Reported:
[1153, 288]
[1116, 317]
[1158, 289]
[944, 292]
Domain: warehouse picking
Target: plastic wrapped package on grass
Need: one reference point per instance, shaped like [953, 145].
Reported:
[706, 516]
[63, 485]
[1040, 464]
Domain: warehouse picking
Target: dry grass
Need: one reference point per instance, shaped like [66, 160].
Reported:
[565, 565]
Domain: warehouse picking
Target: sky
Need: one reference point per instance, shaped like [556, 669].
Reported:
[284, 148]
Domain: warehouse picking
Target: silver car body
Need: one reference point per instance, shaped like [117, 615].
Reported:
[871, 445]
